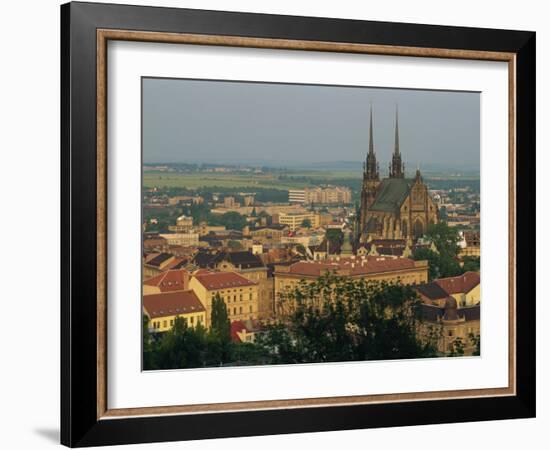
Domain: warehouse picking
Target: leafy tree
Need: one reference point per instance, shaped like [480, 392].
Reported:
[471, 264]
[440, 265]
[220, 332]
[220, 320]
[444, 237]
[231, 220]
[147, 345]
[306, 223]
[234, 244]
[340, 319]
[433, 261]
[476, 341]
[335, 236]
[457, 348]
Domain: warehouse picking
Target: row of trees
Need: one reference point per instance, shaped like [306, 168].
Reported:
[332, 319]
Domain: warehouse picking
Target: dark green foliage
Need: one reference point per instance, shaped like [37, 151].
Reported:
[338, 319]
[444, 237]
[231, 220]
[444, 263]
[471, 264]
[476, 341]
[332, 319]
[335, 236]
[457, 348]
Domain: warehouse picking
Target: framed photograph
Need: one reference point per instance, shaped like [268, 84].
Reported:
[277, 224]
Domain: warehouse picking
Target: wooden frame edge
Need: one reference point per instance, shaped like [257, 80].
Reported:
[103, 35]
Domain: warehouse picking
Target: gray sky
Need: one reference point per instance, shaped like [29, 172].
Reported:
[284, 125]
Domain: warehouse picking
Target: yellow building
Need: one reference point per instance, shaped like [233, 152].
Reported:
[239, 294]
[163, 309]
[404, 270]
[252, 268]
[295, 220]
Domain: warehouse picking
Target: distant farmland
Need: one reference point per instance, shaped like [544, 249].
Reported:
[294, 180]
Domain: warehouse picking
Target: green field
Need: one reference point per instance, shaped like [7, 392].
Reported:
[275, 180]
[232, 180]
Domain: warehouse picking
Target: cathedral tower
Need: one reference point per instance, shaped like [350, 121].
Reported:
[371, 180]
[397, 168]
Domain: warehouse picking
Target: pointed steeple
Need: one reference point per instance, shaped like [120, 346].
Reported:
[371, 137]
[397, 168]
[371, 166]
[396, 145]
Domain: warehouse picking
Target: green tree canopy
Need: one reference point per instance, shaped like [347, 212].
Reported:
[340, 319]
[444, 237]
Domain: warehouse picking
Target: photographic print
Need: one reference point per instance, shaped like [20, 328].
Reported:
[300, 223]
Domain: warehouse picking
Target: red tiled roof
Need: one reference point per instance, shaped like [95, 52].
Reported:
[357, 266]
[222, 280]
[171, 280]
[175, 264]
[460, 284]
[171, 304]
[238, 326]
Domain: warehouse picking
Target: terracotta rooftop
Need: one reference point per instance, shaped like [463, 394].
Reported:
[222, 280]
[460, 284]
[356, 266]
[171, 280]
[171, 304]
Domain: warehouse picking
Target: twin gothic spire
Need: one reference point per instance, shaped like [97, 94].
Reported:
[397, 167]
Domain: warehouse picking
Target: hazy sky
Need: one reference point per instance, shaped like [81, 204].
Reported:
[285, 124]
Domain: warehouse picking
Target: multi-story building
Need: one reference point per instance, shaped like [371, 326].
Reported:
[184, 239]
[326, 195]
[239, 294]
[183, 225]
[195, 200]
[229, 202]
[251, 267]
[295, 220]
[162, 309]
[248, 200]
[297, 196]
[269, 233]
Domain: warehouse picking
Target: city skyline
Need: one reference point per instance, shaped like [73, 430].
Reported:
[264, 123]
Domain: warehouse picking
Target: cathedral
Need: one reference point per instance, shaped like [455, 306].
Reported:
[395, 207]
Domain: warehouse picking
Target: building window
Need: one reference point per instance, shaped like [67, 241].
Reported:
[240, 309]
[164, 323]
[235, 311]
[240, 297]
[171, 322]
[250, 308]
[191, 320]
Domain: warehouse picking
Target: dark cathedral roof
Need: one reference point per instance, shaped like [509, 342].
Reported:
[391, 193]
